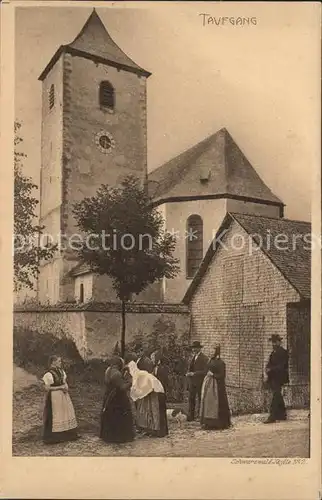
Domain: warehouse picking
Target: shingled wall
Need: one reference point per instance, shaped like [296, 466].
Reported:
[240, 302]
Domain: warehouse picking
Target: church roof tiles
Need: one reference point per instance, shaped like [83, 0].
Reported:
[214, 167]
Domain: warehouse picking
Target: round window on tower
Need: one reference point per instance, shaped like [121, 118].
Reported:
[104, 141]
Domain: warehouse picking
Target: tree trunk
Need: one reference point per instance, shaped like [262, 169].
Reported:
[123, 330]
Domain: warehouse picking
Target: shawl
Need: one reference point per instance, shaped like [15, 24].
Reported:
[143, 382]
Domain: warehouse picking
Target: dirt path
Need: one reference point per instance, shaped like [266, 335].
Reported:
[247, 438]
[287, 440]
[22, 379]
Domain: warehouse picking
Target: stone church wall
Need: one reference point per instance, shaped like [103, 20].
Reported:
[86, 167]
[212, 213]
[100, 289]
[52, 141]
[73, 167]
[249, 207]
[51, 179]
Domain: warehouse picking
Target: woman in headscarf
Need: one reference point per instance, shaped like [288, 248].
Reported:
[116, 417]
[214, 407]
[148, 394]
[59, 415]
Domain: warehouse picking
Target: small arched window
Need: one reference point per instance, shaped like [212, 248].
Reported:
[52, 96]
[194, 244]
[107, 95]
[81, 293]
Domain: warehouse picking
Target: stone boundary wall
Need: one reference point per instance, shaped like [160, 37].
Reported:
[135, 307]
[95, 328]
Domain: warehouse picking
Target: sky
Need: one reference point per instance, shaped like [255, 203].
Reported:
[260, 81]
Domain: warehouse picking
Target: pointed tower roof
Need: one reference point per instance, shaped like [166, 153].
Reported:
[215, 167]
[94, 42]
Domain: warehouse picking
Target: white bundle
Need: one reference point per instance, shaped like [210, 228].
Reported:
[143, 382]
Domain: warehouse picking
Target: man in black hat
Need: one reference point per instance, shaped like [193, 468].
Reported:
[197, 371]
[277, 376]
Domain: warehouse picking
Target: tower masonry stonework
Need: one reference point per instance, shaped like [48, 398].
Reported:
[94, 132]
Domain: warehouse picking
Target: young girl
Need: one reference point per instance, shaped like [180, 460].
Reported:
[59, 416]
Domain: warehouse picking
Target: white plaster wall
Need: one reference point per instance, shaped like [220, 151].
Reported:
[87, 281]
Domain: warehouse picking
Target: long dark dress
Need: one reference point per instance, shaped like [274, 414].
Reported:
[277, 376]
[161, 372]
[117, 424]
[214, 408]
[59, 418]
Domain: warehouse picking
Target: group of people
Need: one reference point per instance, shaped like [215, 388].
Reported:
[135, 395]
[134, 401]
[207, 385]
[207, 389]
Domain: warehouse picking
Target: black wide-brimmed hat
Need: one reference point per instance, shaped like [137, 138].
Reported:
[275, 337]
[196, 343]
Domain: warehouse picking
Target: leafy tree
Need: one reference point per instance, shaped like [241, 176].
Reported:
[124, 239]
[27, 251]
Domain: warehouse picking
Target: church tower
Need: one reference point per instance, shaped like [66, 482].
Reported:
[94, 132]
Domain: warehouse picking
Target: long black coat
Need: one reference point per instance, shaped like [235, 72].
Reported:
[199, 367]
[277, 367]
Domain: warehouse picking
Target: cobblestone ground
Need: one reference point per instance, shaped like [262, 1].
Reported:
[248, 437]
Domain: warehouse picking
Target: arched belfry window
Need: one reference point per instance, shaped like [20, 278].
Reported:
[107, 95]
[194, 244]
[52, 96]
